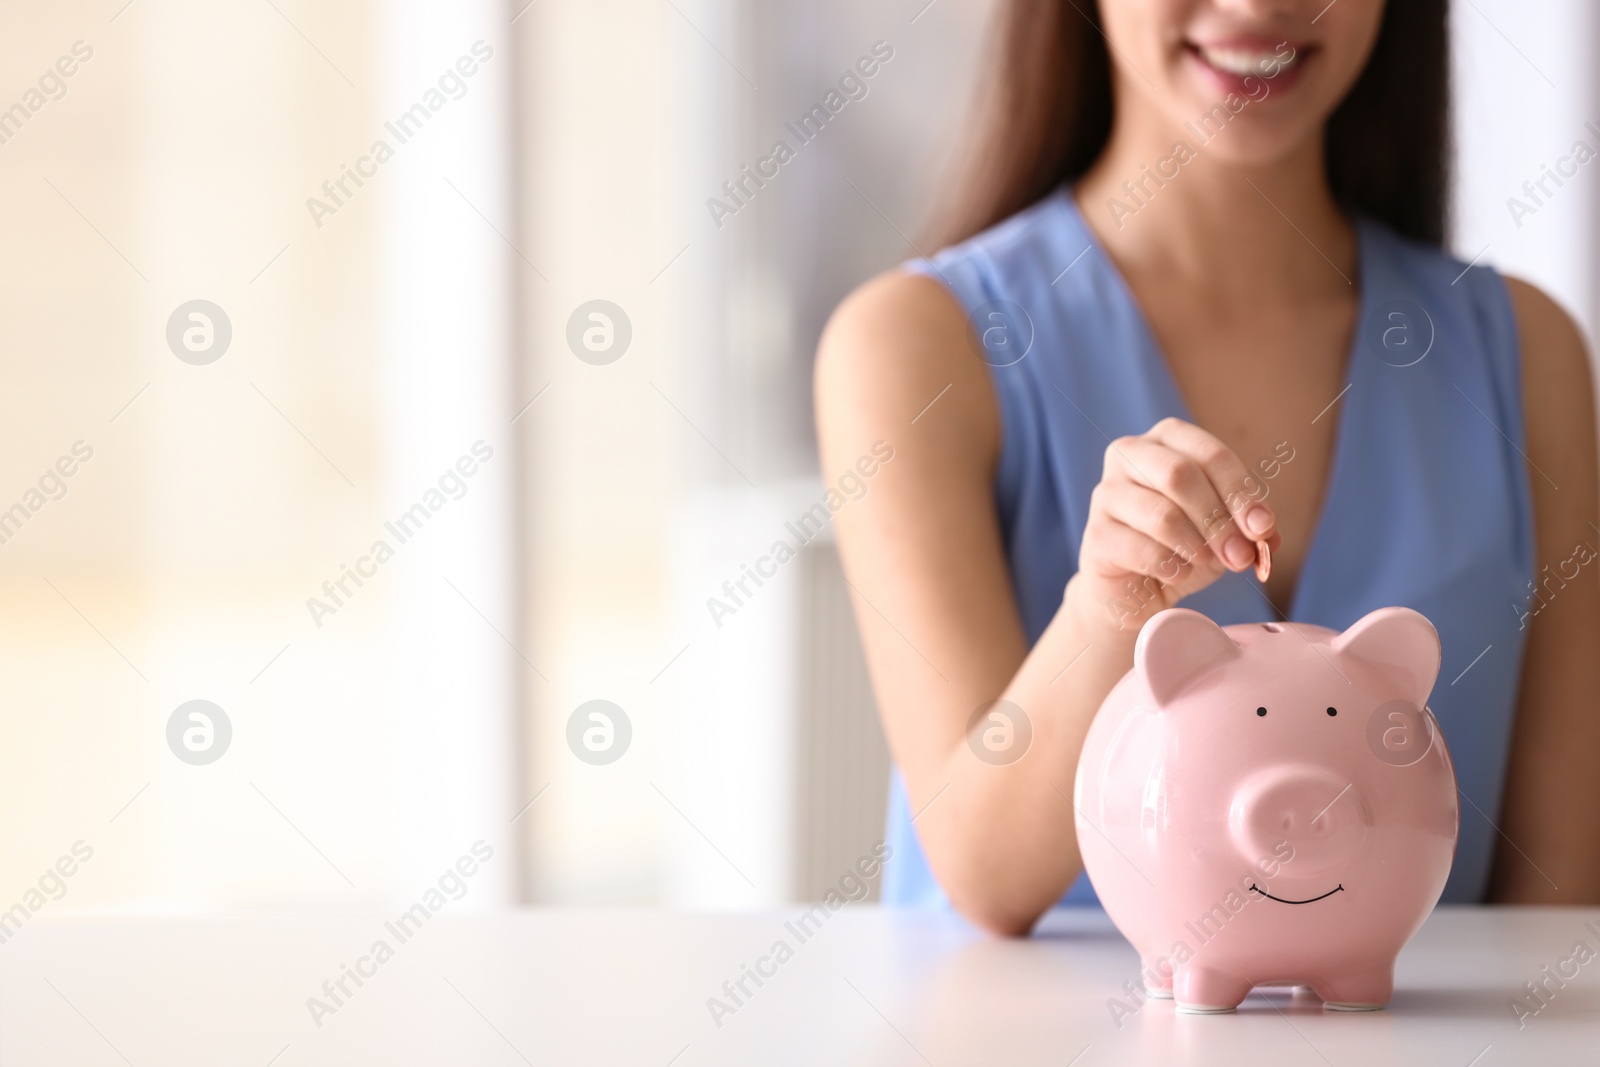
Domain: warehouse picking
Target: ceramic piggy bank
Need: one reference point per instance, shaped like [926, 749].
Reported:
[1270, 803]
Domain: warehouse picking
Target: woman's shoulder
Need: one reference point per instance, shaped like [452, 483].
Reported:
[896, 361]
[914, 320]
[891, 317]
[1543, 324]
[906, 336]
[1543, 332]
[894, 345]
[1558, 418]
[1556, 377]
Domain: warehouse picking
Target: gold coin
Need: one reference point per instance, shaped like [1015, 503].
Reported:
[1263, 561]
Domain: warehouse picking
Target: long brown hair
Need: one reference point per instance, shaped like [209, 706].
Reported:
[1046, 116]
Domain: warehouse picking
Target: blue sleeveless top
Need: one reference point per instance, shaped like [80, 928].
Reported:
[1428, 503]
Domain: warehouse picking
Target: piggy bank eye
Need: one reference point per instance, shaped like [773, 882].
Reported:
[1261, 711]
[1333, 711]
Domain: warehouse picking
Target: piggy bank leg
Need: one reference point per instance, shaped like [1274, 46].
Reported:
[1157, 975]
[1367, 990]
[1204, 991]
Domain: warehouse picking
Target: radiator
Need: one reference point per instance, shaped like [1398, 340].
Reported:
[842, 772]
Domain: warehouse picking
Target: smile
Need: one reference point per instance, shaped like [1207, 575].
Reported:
[1246, 64]
[1313, 900]
[1247, 61]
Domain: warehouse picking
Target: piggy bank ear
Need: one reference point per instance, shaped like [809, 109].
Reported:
[1176, 647]
[1401, 643]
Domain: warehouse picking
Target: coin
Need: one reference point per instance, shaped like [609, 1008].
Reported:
[1263, 561]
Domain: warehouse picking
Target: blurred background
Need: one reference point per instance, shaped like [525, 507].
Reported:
[489, 285]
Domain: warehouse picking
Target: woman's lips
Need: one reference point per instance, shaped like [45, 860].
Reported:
[1243, 66]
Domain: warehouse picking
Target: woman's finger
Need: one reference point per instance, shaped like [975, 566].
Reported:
[1140, 568]
[1160, 520]
[1113, 547]
[1240, 490]
[1181, 479]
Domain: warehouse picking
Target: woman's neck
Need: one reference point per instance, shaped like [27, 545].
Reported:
[1186, 212]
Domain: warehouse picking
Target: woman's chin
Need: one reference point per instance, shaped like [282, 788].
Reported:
[1246, 140]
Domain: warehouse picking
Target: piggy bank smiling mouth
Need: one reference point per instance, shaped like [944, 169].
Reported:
[1313, 900]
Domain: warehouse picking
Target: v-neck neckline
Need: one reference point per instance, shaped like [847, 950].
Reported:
[1158, 370]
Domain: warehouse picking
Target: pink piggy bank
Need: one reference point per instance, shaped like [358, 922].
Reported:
[1270, 803]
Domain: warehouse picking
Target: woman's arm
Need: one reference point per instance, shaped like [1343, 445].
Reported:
[1550, 852]
[923, 553]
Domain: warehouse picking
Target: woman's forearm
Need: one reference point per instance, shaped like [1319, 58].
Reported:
[1000, 834]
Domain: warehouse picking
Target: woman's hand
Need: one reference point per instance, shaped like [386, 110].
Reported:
[1175, 508]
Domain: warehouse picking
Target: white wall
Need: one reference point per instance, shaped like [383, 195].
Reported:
[1525, 88]
[447, 279]
[369, 350]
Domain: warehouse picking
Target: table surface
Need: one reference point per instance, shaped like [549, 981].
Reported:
[864, 985]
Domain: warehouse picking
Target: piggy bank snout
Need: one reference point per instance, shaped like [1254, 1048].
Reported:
[1299, 820]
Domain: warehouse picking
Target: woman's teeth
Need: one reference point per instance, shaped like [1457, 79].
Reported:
[1242, 63]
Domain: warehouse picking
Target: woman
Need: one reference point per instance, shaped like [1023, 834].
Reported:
[1199, 302]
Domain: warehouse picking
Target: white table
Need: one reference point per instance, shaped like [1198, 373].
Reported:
[630, 987]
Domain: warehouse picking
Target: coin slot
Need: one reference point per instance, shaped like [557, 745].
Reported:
[1272, 628]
